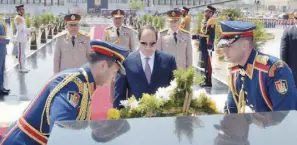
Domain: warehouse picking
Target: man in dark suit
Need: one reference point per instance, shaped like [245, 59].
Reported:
[288, 48]
[147, 69]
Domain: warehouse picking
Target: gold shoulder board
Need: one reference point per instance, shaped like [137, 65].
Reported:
[212, 21]
[84, 33]
[262, 59]
[164, 30]
[183, 30]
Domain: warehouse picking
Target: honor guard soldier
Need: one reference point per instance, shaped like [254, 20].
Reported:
[176, 41]
[118, 33]
[3, 52]
[262, 82]
[21, 37]
[206, 41]
[66, 96]
[186, 21]
[72, 46]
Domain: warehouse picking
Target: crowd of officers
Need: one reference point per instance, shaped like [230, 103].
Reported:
[260, 81]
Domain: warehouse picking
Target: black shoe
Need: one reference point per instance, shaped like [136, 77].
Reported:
[4, 93]
[5, 90]
[203, 85]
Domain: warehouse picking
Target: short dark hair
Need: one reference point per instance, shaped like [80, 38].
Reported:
[148, 27]
[94, 57]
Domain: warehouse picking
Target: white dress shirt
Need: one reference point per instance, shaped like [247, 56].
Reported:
[150, 62]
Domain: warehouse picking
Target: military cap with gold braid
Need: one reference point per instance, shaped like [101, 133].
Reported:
[72, 18]
[118, 13]
[117, 52]
[231, 31]
[174, 14]
[19, 6]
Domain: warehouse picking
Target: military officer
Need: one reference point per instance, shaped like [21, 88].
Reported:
[186, 21]
[21, 37]
[66, 96]
[119, 34]
[262, 82]
[206, 40]
[72, 46]
[176, 41]
[3, 52]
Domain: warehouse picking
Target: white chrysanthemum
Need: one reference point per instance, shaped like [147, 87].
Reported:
[163, 94]
[124, 103]
[133, 104]
[173, 85]
[198, 93]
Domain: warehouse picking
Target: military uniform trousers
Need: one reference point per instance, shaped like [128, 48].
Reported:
[206, 58]
[21, 54]
[2, 69]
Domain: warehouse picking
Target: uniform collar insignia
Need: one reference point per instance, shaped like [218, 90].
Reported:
[249, 67]
[90, 75]
[249, 70]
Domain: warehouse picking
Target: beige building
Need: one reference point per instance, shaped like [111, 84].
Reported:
[283, 5]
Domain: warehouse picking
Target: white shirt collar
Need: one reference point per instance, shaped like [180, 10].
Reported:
[143, 56]
[150, 61]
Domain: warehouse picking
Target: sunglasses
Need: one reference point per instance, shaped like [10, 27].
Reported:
[151, 44]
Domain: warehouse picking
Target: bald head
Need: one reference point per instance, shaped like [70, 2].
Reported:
[295, 14]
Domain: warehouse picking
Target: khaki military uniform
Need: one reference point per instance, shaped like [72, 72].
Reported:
[68, 56]
[126, 38]
[182, 50]
[185, 24]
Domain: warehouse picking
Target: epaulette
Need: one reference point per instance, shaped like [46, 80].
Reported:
[19, 19]
[275, 66]
[127, 27]
[84, 33]
[261, 63]
[108, 27]
[185, 31]
[212, 21]
[164, 30]
[233, 68]
[188, 18]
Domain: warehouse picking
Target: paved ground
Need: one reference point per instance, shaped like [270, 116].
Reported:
[25, 86]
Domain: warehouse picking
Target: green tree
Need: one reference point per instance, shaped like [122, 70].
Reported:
[234, 12]
[36, 21]
[155, 21]
[13, 27]
[136, 5]
[161, 23]
[260, 36]
[197, 27]
[28, 21]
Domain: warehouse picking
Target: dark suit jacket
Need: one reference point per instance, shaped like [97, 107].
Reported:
[135, 81]
[289, 49]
